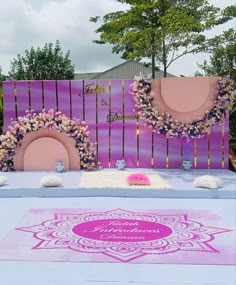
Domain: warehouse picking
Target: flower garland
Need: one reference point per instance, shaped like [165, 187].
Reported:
[75, 129]
[163, 123]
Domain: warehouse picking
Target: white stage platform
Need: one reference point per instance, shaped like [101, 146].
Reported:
[70, 273]
[26, 184]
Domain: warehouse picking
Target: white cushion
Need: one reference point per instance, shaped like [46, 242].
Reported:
[208, 181]
[3, 180]
[51, 181]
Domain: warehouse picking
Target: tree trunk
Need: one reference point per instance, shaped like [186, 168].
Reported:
[164, 55]
[164, 59]
[153, 65]
[153, 56]
[165, 70]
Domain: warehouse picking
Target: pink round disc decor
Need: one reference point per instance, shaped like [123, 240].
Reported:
[138, 179]
[43, 153]
[121, 230]
[174, 121]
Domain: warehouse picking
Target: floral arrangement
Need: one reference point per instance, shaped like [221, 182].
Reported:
[163, 123]
[75, 129]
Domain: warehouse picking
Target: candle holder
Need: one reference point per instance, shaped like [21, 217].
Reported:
[187, 164]
[120, 164]
[60, 166]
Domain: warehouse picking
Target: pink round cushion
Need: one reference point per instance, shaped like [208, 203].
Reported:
[138, 179]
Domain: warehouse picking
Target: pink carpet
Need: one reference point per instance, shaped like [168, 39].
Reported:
[133, 236]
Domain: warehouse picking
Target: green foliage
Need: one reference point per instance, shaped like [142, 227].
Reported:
[42, 63]
[2, 77]
[161, 30]
[223, 63]
[223, 59]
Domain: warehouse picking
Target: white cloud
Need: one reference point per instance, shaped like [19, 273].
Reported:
[26, 23]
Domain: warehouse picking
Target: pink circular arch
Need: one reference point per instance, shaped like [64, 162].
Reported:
[185, 98]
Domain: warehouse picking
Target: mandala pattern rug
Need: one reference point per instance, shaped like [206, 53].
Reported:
[119, 235]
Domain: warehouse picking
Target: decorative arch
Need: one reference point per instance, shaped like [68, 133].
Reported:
[72, 134]
[40, 150]
[172, 121]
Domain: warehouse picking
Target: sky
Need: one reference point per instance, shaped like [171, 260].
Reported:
[27, 23]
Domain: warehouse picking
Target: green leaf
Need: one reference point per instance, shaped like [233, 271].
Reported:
[48, 62]
[162, 30]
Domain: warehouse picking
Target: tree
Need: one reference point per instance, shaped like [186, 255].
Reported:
[223, 59]
[161, 30]
[42, 63]
[2, 76]
[223, 63]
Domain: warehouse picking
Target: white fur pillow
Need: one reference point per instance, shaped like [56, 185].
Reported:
[3, 180]
[208, 181]
[51, 181]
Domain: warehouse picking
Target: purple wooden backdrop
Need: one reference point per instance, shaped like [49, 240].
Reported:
[160, 151]
[9, 104]
[36, 95]
[77, 99]
[108, 108]
[89, 105]
[203, 152]
[216, 154]
[226, 143]
[22, 95]
[144, 145]
[131, 137]
[174, 153]
[102, 126]
[188, 151]
[64, 97]
[116, 124]
[50, 95]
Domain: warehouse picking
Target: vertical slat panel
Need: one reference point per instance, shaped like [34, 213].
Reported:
[36, 95]
[130, 145]
[90, 107]
[216, 147]
[50, 96]
[22, 93]
[77, 99]
[174, 153]
[115, 145]
[130, 127]
[63, 91]
[145, 145]
[102, 123]
[9, 111]
[160, 148]
[103, 145]
[188, 151]
[202, 152]
[226, 143]
[116, 139]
